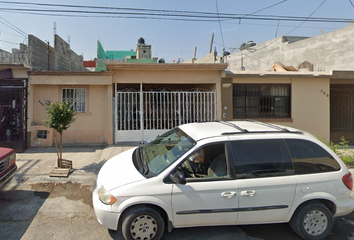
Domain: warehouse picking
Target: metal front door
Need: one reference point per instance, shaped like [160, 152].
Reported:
[342, 112]
[142, 115]
[13, 115]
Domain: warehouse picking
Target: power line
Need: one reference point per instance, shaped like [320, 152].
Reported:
[11, 34]
[294, 28]
[23, 33]
[287, 26]
[306, 18]
[268, 7]
[9, 42]
[167, 13]
[173, 16]
[351, 3]
[222, 36]
[9, 26]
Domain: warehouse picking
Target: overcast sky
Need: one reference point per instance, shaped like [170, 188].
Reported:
[171, 39]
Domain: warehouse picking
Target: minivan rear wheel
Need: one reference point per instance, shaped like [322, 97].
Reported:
[313, 221]
[143, 223]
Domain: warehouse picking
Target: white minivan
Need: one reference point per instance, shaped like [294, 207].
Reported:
[224, 173]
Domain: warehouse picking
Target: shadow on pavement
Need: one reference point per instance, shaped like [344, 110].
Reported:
[17, 211]
[93, 167]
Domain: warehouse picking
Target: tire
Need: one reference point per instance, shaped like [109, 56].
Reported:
[313, 221]
[142, 223]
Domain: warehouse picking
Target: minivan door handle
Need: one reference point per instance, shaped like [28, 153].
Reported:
[228, 194]
[248, 193]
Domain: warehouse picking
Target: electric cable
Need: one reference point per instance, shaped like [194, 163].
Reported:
[222, 36]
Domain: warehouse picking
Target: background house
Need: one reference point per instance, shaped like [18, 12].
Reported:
[40, 56]
[141, 55]
[326, 52]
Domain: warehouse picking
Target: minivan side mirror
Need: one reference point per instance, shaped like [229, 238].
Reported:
[178, 177]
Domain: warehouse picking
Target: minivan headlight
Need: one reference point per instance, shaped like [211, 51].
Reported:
[105, 197]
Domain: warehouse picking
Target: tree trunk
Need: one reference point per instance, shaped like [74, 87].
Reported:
[60, 149]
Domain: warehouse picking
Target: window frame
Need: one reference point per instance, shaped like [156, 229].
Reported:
[74, 101]
[265, 105]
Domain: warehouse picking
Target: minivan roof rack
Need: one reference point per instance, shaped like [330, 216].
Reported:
[233, 125]
[269, 125]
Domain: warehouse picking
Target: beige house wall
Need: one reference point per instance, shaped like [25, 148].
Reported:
[20, 72]
[92, 127]
[310, 105]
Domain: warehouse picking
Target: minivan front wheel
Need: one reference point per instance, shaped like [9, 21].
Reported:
[313, 221]
[143, 223]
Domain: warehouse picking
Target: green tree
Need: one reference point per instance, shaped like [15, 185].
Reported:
[59, 116]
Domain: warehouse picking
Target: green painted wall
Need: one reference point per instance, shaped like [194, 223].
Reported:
[101, 66]
[101, 54]
[119, 54]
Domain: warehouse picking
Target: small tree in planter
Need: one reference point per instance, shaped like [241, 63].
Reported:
[60, 116]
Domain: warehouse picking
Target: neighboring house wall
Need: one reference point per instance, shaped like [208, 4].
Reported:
[310, 105]
[16, 57]
[39, 56]
[330, 51]
[94, 126]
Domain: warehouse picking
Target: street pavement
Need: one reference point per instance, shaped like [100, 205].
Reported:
[36, 206]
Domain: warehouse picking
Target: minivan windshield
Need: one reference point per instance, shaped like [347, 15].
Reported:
[160, 153]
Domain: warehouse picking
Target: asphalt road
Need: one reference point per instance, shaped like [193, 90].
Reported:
[64, 211]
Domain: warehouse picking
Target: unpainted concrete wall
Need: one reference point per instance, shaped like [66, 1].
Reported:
[329, 51]
[15, 57]
[65, 58]
[39, 56]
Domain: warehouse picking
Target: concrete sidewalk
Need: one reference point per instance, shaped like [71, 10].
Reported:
[35, 164]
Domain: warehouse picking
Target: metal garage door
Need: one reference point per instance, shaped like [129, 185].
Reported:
[142, 115]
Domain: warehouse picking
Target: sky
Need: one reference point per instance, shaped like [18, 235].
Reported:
[171, 39]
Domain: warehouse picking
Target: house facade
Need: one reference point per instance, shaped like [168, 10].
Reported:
[132, 102]
[136, 102]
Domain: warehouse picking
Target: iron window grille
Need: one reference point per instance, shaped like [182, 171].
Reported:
[76, 97]
[261, 101]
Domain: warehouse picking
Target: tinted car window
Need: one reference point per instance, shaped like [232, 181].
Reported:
[261, 158]
[308, 157]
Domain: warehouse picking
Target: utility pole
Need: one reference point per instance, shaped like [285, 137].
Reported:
[211, 43]
[48, 57]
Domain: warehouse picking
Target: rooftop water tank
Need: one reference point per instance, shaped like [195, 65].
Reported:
[141, 40]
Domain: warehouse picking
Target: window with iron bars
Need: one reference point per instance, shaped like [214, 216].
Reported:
[75, 97]
[261, 101]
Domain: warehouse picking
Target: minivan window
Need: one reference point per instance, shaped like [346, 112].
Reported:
[308, 157]
[157, 155]
[261, 158]
[210, 162]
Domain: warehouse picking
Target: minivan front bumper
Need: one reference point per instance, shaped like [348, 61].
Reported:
[104, 216]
